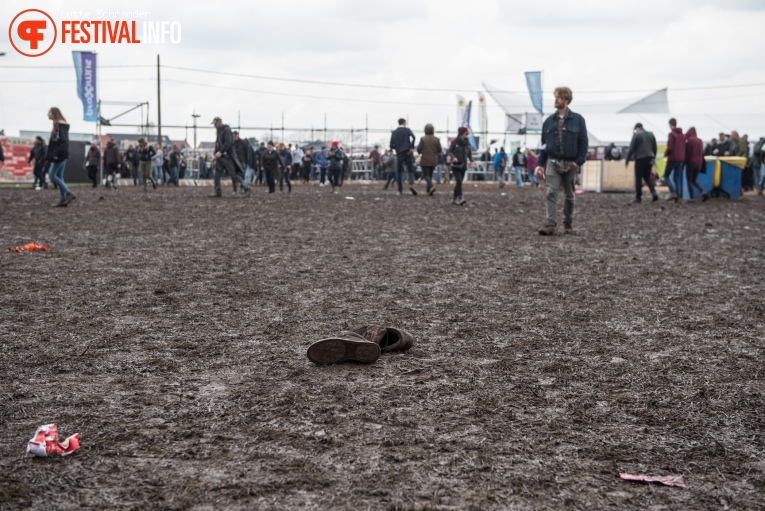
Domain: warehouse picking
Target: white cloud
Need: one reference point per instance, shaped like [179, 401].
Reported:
[592, 45]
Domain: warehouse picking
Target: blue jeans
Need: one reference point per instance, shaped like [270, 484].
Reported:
[174, 175]
[156, 172]
[322, 174]
[56, 174]
[518, 176]
[439, 171]
[248, 173]
[405, 167]
[393, 176]
[673, 176]
[759, 176]
[136, 175]
[532, 177]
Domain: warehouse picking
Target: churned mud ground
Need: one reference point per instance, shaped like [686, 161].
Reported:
[170, 329]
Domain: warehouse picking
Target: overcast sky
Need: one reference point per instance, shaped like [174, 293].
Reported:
[589, 45]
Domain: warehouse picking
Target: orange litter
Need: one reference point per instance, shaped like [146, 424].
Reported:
[30, 247]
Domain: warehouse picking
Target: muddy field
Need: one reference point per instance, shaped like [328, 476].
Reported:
[170, 329]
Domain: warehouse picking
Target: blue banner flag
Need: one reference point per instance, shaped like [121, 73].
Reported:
[466, 124]
[534, 83]
[85, 68]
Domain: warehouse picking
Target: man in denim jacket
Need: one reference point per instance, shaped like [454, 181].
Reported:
[564, 151]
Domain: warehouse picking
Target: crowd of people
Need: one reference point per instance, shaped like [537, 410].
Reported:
[146, 164]
[685, 161]
[558, 163]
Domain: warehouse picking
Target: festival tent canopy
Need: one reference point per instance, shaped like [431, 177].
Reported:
[612, 120]
[617, 128]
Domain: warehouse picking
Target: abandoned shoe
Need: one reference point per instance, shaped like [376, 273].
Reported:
[347, 346]
[372, 333]
[388, 338]
[408, 338]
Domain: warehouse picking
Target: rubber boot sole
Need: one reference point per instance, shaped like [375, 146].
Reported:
[335, 350]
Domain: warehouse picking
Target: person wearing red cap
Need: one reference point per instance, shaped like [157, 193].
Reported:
[460, 155]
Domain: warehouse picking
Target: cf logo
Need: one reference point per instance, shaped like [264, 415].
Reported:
[32, 32]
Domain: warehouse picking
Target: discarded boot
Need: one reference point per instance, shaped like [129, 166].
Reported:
[347, 346]
[388, 338]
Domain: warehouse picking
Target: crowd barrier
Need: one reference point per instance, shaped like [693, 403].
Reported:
[722, 177]
[363, 169]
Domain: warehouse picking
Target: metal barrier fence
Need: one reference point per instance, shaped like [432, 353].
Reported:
[483, 171]
[363, 170]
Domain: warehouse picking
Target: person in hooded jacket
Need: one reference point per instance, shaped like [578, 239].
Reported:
[675, 154]
[519, 164]
[58, 153]
[323, 163]
[499, 164]
[37, 154]
[389, 165]
[643, 150]
[531, 165]
[111, 163]
[694, 159]
[92, 161]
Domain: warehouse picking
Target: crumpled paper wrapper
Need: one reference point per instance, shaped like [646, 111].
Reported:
[45, 442]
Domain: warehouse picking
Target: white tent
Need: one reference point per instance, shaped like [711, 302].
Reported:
[612, 120]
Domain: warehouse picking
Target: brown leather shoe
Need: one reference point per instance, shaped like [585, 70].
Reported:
[389, 339]
[567, 228]
[347, 346]
[547, 230]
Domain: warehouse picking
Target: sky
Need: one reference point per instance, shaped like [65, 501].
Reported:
[600, 49]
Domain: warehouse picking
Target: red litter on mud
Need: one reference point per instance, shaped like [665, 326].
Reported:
[45, 442]
[665, 480]
[30, 247]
